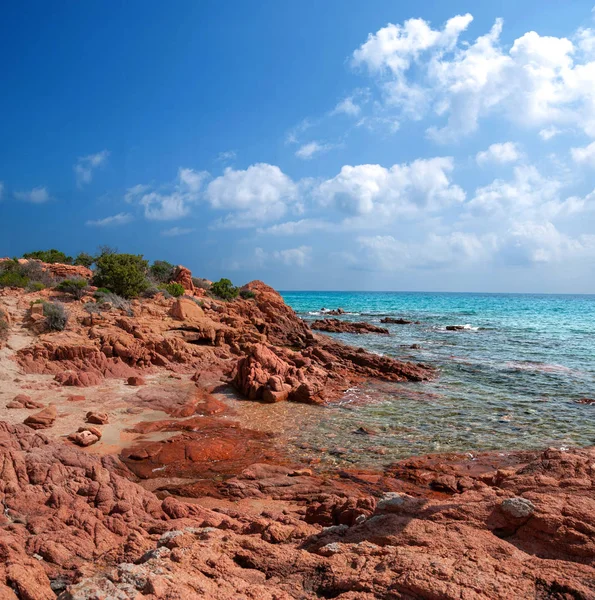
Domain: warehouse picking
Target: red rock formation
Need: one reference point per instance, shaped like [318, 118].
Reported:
[43, 419]
[183, 276]
[338, 326]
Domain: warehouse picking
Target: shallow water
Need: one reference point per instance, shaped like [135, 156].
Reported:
[509, 380]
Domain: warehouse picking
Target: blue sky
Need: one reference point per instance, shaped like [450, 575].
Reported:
[315, 145]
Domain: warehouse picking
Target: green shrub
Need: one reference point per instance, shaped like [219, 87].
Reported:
[174, 289]
[76, 287]
[35, 286]
[123, 274]
[161, 271]
[13, 279]
[100, 292]
[247, 294]
[50, 256]
[84, 260]
[55, 316]
[224, 289]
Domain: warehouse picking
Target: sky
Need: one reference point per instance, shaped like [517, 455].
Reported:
[348, 145]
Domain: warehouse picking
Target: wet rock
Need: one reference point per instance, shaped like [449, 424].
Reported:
[337, 326]
[43, 419]
[395, 321]
[455, 328]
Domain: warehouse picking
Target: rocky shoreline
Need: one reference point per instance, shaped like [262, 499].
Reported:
[175, 499]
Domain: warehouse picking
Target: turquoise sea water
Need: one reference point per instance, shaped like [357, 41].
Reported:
[510, 380]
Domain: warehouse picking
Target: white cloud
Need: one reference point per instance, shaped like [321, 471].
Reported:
[540, 82]
[258, 194]
[547, 133]
[506, 152]
[309, 150]
[227, 156]
[540, 242]
[301, 227]
[298, 257]
[347, 107]
[86, 165]
[293, 136]
[176, 231]
[423, 185]
[386, 253]
[119, 219]
[37, 195]
[584, 155]
[171, 202]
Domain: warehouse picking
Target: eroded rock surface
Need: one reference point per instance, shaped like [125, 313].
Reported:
[338, 326]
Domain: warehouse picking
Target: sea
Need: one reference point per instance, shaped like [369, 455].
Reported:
[517, 376]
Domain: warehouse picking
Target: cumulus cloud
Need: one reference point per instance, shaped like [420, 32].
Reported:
[291, 257]
[506, 152]
[539, 82]
[532, 242]
[119, 219]
[584, 155]
[176, 231]
[86, 165]
[172, 201]
[386, 253]
[37, 195]
[423, 185]
[309, 150]
[260, 193]
[547, 133]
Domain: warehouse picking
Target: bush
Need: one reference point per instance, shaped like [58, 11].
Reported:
[55, 316]
[224, 289]
[247, 294]
[203, 284]
[13, 279]
[35, 286]
[84, 260]
[4, 328]
[174, 289]
[50, 256]
[113, 299]
[162, 271]
[76, 287]
[93, 308]
[124, 274]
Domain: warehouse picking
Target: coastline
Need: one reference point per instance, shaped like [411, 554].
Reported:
[192, 501]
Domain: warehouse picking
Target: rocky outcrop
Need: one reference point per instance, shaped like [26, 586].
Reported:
[395, 321]
[43, 419]
[183, 276]
[338, 326]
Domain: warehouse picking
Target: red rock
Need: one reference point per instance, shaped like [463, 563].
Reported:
[43, 419]
[79, 378]
[83, 437]
[183, 276]
[136, 380]
[185, 309]
[98, 418]
[75, 398]
[23, 401]
[36, 309]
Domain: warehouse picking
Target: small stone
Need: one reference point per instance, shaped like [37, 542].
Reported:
[519, 508]
[136, 380]
[97, 418]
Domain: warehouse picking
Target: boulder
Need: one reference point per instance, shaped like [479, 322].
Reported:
[23, 401]
[136, 380]
[183, 276]
[43, 419]
[98, 418]
[185, 309]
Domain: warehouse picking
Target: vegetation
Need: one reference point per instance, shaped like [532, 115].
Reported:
[75, 287]
[174, 289]
[93, 308]
[224, 289]
[10, 278]
[4, 328]
[50, 256]
[35, 286]
[84, 260]
[161, 271]
[105, 296]
[247, 294]
[55, 316]
[123, 274]
[203, 284]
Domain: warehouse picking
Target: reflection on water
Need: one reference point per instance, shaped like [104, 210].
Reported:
[509, 380]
